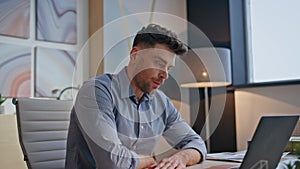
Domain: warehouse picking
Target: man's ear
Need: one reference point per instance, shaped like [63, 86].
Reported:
[133, 52]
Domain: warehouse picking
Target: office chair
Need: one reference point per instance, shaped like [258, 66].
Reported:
[68, 93]
[42, 127]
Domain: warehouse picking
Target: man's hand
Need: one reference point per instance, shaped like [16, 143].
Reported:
[146, 161]
[180, 160]
[172, 162]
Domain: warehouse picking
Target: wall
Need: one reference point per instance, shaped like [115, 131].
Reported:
[222, 21]
[122, 19]
[252, 103]
[95, 27]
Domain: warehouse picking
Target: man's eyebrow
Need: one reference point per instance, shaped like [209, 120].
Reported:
[161, 59]
[165, 62]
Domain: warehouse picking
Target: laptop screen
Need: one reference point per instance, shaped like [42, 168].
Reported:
[269, 141]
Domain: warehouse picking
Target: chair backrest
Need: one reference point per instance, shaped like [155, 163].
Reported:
[42, 127]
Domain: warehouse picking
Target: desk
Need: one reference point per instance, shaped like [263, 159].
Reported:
[211, 164]
[11, 155]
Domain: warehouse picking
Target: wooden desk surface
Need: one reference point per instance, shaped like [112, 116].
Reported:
[210, 164]
[11, 155]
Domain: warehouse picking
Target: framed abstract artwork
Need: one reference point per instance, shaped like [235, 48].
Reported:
[56, 21]
[54, 70]
[15, 68]
[39, 41]
[15, 18]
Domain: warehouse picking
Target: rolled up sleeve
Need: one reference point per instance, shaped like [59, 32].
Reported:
[179, 134]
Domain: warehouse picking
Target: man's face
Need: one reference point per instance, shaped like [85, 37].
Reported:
[152, 66]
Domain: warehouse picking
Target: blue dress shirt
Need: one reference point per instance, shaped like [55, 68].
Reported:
[109, 127]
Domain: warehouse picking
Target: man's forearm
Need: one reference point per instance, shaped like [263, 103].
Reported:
[189, 156]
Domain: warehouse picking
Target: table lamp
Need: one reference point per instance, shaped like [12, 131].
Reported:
[210, 68]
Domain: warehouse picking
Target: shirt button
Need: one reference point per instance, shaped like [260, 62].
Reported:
[142, 127]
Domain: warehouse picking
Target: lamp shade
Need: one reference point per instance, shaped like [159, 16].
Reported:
[209, 67]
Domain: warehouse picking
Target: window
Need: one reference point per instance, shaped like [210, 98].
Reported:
[273, 40]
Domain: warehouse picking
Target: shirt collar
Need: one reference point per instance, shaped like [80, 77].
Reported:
[124, 84]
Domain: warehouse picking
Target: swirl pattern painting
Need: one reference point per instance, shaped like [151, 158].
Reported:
[15, 68]
[54, 70]
[14, 18]
[56, 21]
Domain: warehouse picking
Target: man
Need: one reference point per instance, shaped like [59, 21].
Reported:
[117, 119]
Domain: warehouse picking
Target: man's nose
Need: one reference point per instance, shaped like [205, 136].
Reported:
[163, 74]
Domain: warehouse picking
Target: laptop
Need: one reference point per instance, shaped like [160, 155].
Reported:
[269, 141]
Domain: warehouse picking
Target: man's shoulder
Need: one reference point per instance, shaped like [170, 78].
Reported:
[102, 82]
[107, 77]
[104, 79]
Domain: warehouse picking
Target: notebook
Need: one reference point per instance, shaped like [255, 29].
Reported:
[269, 141]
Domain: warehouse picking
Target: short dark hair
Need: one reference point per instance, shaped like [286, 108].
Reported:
[154, 34]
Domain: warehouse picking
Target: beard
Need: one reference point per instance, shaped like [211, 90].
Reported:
[144, 83]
